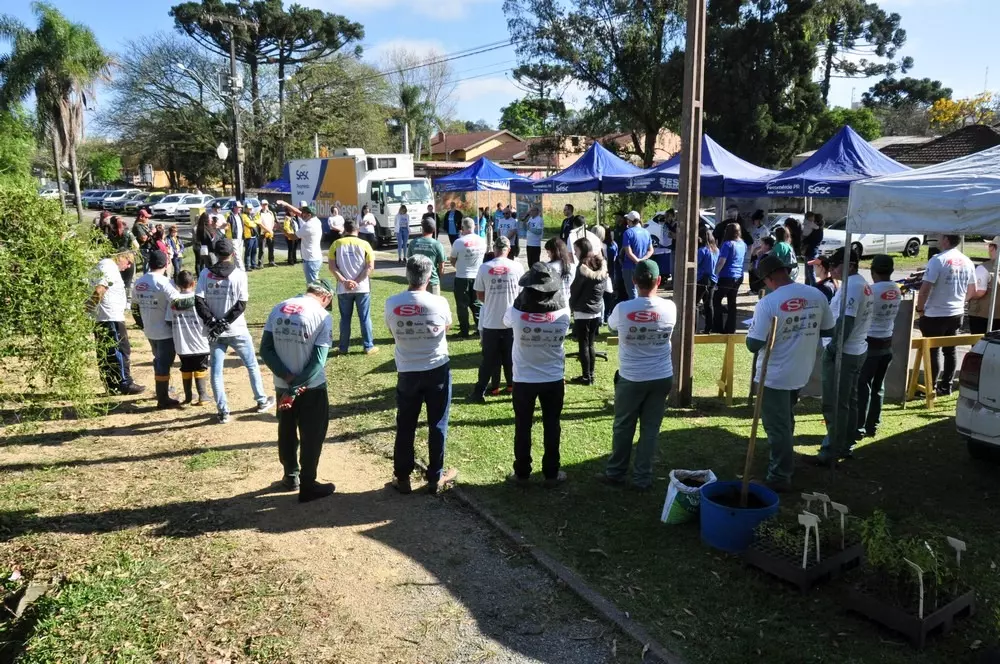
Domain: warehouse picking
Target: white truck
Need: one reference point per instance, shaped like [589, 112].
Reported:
[352, 179]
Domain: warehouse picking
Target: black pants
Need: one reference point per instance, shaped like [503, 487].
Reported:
[585, 330]
[293, 247]
[550, 396]
[705, 294]
[977, 324]
[943, 326]
[871, 390]
[194, 363]
[726, 290]
[113, 354]
[369, 238]
[465, 299]
[413, 390]
[497, 348]
[451, 239]
[263, 242]
[301, 432]
[535, 254]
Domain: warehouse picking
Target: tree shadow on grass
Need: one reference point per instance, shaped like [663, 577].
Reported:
[196, 419]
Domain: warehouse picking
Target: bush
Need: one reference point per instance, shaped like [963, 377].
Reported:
[47, 346]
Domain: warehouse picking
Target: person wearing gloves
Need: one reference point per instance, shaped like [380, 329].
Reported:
[467, 253]
[308, 229]
[220, 299]
[842, 424]
[190, 339]
[540, 320]
[151, 297]
[107, 307]
[586, 301]
[295, 345]
[644, 377]
[418, 322]
[267, 223]
[886, 298]
[804, 316]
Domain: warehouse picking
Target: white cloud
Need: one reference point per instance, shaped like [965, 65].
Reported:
[423, 47]
[444, 10]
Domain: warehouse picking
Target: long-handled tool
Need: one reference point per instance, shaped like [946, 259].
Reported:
[756, 411]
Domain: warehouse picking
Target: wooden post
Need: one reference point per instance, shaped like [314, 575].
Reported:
[751, 446]
[685, 282]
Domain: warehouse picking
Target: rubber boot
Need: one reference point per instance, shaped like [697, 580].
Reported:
[201, 383]
[187, 380]
[163, 399]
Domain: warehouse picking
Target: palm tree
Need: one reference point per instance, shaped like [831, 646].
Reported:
[412, 113]
[59, 62]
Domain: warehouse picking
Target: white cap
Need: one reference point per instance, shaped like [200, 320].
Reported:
[263, 201]
[633, 216]
[303, 204]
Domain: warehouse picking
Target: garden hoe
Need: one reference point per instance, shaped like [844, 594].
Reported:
[756, 412]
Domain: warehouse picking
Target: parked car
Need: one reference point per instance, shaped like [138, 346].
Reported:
[93, 202]
[116, 199]
[869, 244]
[49, 192]
[131, 206]
[226, 202]
[183, 209]
[977, 414]
[148, 204]
[167, 206]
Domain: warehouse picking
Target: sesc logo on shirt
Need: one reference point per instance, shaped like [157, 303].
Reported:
[499, 271]
[794, 304]
[292, 309]
[643, 316]
[868, 290]
[409, 310]
[890, 295]
[538, 317]
[142, 287]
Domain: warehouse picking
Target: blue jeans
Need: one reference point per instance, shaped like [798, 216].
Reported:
[402, 238]
[178, 262]
[250, 253]
[163, 355]
[243, 345]
[628, 286]
[346, 302]
[413, 390]
[311, 270]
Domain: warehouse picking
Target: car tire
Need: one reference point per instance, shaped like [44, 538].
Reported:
[982, 451]
[912, 247]
[858, 248]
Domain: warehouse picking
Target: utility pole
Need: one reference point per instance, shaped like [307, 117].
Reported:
[685, 281]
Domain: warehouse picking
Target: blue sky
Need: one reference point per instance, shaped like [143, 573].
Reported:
[953, 41]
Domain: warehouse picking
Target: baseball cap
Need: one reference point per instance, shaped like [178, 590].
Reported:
[633, 216]
[144, 214]
[647, 268]
[305, 206]
[215, 204]
[767, 265]
[157, 260]
[883, 264]
[237, 204]
[501, 242]
[323, 287]
[820, 260]
[224, 247]
[838, 257]
[263, 201]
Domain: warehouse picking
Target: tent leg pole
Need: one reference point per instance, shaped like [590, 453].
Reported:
[839, 361]
[993, 298]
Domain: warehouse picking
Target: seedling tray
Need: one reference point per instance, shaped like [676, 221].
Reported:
[908, 624]
[788, 567]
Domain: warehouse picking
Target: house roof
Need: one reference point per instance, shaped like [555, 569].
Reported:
[452, 142]
[959, 143]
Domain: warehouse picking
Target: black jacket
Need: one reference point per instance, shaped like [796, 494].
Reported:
[586, 293]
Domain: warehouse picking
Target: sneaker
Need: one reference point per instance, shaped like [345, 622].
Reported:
[290, 483]
[371, 351]
[131, 389]
[553, 482]
[402, 485]
[316, 491]
[223, 418]
[266, 406]
[604, 478]
[517, 480]
[495, 392]
[448, 476]
[581, 380]
[475, 398]
[943, 390]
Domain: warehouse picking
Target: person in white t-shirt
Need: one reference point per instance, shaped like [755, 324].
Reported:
[190, 339]
[309, 230]
[644, 377]
[352, 262]
[842, 424]
[536, 228]
[418, 322]
[979, 304]
[497, 286]
[267, 221]
[220, 299]
[367, 224]
[467, 253]
[804, 316]
[886, 297]
[295, 345]
[949, 281]
[540, 321]
[507, 227]
[107, 307]
[402, 234]
[151, 297]
[336, 225]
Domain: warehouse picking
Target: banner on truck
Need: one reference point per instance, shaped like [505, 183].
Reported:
[339, 188]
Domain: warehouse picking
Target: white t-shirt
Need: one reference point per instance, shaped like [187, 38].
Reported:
[952, 273]
[221, 293]
[190, 335]
[536, 228]
[567, 279]
[112, 305]
[266, 220]
[352, 254]
[337, 222]
[860, 304]
[498, 280]
[983, 280]
[507, 228]
[402, 223]
[581, 233]
[538, 354]
[644, 327]
[468, 250]
[152, 293]
[311, 234]
[418, 321]
[298, 325]
[803, 313]
[886, 298]
[367, 223]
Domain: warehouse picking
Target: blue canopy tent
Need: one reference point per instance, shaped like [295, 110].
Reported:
[829, 172]
[283, 185]
[722, 173]
[588, 173]
[482, 175]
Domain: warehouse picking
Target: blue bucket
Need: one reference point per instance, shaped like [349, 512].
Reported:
[728, 528]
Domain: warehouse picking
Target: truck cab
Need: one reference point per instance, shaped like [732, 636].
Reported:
[387, 196]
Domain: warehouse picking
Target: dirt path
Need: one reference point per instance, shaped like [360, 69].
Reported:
[390, 578]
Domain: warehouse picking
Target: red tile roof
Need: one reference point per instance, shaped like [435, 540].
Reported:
[959, 143]
[453, 142]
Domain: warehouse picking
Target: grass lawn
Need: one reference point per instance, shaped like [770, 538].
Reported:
[696, 600]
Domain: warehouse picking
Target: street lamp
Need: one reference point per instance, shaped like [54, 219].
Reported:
[222, 151]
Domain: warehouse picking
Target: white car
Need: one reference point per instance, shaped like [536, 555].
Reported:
[183, 209]
[706, 220]
[167, 206]
[869, 244]
[49, 193]
[977, 414]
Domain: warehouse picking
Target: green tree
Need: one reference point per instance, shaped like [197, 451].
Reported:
[17, 144]
[477, 125]
[893, 93]
[103, 166]
[857, 39]
[544, 85]
[861, 120]
[522, 117]
[59, 62]
[761, 101]
[628, 54]
[412, 114]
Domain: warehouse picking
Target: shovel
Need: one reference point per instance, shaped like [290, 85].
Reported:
[756, 412]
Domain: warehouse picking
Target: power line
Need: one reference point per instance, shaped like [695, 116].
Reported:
[458, 55]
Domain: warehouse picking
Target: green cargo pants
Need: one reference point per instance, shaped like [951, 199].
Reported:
[778, 416]
[842, 425]
[642, 403]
